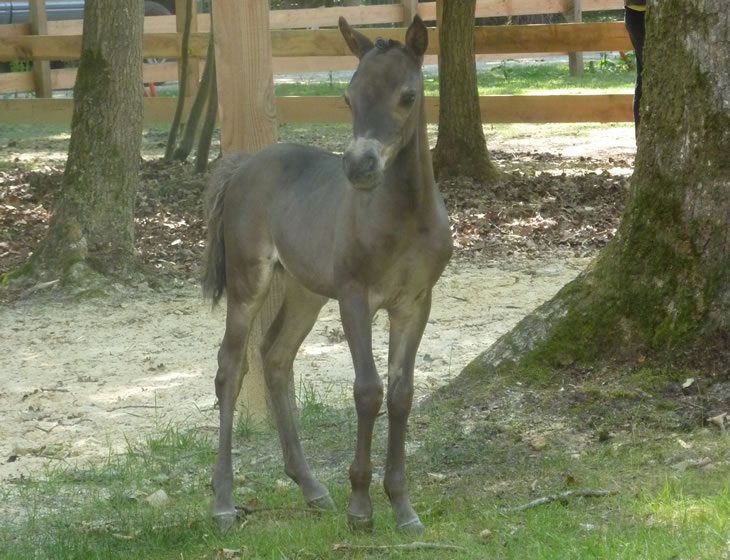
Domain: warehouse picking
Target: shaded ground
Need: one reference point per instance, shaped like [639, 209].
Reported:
[86, 375]
[545, 202]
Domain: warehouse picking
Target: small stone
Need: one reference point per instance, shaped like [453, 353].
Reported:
[538, 443]
[485, 534]
[157, 499]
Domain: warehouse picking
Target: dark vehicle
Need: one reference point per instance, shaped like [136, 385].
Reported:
[18, 11]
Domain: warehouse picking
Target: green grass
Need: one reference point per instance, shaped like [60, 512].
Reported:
[467, 468]
[506, 79]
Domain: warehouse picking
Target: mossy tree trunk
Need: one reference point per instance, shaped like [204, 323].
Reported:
[662, 287]
[461, 149]
[93, 221]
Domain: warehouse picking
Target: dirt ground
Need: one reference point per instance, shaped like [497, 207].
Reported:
[84, 377]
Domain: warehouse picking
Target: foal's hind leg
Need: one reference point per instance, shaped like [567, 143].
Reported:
[406, 329]
[245, 294]
[295, 319]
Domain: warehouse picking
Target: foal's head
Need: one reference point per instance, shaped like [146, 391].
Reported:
[385, 96]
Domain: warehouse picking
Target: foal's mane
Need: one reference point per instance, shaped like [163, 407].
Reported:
[386, 44]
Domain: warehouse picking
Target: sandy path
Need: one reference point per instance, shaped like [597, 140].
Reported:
[81, 380]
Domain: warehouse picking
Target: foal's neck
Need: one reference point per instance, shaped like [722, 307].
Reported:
[412, 177]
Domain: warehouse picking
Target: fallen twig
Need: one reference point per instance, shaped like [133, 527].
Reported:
[47, 430]
[37, 287]
[135, 406]
[243, 511]
[407, 546]
[562, 496]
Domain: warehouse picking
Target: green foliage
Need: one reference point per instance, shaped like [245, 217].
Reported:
[605, 64]
[20, 66]
[508, 78]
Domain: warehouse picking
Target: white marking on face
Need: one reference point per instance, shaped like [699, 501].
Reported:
[361, 146]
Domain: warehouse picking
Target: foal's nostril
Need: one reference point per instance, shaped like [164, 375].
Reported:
[368, 164]
[359, 166]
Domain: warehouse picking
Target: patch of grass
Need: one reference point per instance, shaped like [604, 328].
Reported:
[506, 79]
[464, 475]
[652, 378]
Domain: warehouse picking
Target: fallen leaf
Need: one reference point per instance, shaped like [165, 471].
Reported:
[228, 553]
[718, 420]
[438, 477]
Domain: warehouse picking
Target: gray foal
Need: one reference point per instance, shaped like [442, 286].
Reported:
[368, 229]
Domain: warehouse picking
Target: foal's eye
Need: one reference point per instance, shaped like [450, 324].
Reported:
[407, 98]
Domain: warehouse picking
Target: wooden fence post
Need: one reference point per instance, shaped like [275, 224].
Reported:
[193, 76]
[410, 9]
[575, 60]
[41, 68]
[248, 123]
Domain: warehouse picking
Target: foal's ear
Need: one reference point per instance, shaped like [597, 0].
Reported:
[358, 43]
[417, 37]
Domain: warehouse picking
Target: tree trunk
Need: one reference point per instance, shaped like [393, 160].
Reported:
[93, 221]
[248, 123]
[211, 114]
[183, 150]
[182, 83]
[662, 287]
[461, 149]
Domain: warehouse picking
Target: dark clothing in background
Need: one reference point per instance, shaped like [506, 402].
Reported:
[634, 21]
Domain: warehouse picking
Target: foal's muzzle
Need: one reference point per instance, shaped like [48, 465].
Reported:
[363, 162]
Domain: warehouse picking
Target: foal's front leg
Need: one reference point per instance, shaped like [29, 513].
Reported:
[368, 393]
[406, 329]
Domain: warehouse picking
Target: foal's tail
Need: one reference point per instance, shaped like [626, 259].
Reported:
[214, 260]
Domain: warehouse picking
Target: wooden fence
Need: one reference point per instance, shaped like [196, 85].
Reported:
[302, 42]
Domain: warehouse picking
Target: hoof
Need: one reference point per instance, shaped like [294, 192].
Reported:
[225, 520]
[413, 527]
[360, 522]
[324, 503]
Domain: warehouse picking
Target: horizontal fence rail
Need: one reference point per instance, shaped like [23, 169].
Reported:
[494, 109]
[587, 37]
[296, 50]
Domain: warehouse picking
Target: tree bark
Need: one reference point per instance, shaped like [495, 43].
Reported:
[93, 222]
[182, 83]
[461, 149]
[662, 287]
[211, 113]
[183, 150]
